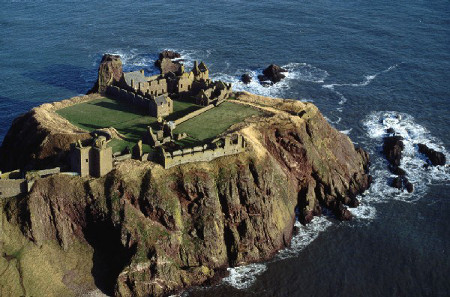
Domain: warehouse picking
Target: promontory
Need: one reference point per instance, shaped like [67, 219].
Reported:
[154, 183]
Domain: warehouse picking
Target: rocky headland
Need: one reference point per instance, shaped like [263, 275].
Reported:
[142, 230]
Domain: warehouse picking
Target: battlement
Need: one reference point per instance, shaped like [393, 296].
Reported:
[225, 146]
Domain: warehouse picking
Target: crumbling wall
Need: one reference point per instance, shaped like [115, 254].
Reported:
[204, 153]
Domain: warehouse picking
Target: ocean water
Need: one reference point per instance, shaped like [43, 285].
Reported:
[368, 66]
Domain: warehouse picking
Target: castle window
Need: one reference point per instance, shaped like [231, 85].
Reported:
[87, 160]
[181, 86]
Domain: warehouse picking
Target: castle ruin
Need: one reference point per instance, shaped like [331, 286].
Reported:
[224, 146]
[95, 160]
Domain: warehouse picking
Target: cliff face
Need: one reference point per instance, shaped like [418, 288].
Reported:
[146, 231]
[40, 137]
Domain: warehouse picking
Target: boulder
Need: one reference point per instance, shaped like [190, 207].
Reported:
[246, 78]
[436, 158]
[272, 73]
[109, 72]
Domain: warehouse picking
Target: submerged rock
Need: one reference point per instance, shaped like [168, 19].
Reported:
[273, 73]
[436, 158]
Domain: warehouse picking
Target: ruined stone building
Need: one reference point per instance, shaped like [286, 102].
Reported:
[94, 160]
[155, 106]
[155, 92]
[214, 92]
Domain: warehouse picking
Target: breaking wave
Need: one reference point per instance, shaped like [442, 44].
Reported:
[296, 72]
[366, 81]
[413, 162]
[243, 277]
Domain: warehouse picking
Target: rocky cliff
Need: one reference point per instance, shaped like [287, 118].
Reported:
[142, 230]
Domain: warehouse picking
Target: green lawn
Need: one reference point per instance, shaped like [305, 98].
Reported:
[128, 119]
[215, 121]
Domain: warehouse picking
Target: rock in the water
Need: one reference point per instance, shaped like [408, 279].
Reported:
[166, 54]
[166, 65]
[109, 72]
[397, 170]
[397, 182]
[436, 158]
[390, 131]
[246, 78]
[342, 213]
[392, 148]
[409, 186]
[272, 73]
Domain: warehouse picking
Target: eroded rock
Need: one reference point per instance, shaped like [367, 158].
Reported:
[436, 158]
[392, 149]
[109, 72]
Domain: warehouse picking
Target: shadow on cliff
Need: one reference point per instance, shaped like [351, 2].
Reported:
[70, 77]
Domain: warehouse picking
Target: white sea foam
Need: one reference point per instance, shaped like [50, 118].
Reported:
[296, 72]
[346, 132]
[366, 81]
[379, 192]
[243, 277]
[305, 235]
[364, 211]
[412, 161]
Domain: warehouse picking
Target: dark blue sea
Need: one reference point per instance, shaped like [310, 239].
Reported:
[368, 66]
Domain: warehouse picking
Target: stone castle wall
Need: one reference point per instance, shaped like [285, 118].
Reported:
[204, 153]
[133, 98]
